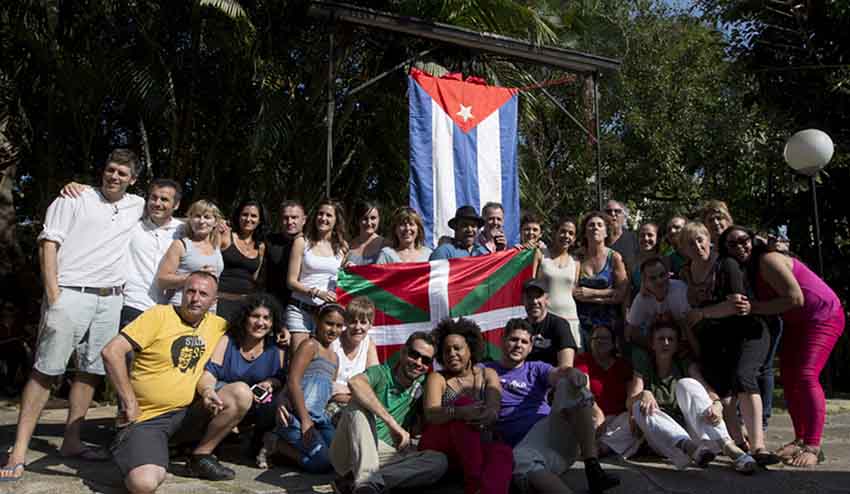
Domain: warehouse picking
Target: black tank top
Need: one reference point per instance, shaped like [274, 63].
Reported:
[238, 274]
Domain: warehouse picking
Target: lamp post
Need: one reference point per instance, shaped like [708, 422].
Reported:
[807, 152]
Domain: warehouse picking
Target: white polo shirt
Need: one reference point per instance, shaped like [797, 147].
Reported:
[93, 235]
[148, 245]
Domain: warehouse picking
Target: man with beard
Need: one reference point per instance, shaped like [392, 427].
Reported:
[465, 225]
[371, 450]
[546, 440]
[171, 346]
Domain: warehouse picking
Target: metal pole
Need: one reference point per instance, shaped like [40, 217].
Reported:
[817, 224]
[598, 142]
[331, 106]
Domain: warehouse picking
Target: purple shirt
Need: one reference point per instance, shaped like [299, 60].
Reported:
[523, 398]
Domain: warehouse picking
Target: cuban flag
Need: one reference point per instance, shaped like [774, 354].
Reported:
[463, 143]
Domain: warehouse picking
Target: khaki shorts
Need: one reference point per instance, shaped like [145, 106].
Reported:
[81, 323]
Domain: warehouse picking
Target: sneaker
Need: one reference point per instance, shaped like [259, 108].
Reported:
[745, 464]
[208, 467]
[703, 456]
[598, 480]
[343, 484]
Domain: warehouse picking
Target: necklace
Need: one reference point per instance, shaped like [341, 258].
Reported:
[252, 354]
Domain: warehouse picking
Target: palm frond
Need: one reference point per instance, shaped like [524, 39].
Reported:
[230, 8]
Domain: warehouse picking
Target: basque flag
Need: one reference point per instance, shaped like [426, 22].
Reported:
[463, 142]
[415, 296]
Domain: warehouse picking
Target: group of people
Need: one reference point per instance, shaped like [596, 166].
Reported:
[662, 339]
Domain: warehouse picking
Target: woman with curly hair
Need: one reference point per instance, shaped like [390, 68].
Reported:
[247, 358]
[461, 402]
[314, 262]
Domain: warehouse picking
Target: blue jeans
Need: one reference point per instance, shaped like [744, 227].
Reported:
[766, 379]
[314, 455]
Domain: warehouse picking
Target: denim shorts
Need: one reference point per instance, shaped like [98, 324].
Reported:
[299, 320]
[76, 322]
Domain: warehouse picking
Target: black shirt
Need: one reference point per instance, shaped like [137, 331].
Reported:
[276, 266]
[551, 335]
[628, 248]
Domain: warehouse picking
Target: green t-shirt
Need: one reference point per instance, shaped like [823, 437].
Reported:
[399, 401]
[664, 389]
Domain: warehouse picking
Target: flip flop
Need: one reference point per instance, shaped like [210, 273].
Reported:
[12, 470]
[90, 453]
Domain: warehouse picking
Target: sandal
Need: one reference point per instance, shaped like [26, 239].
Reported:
[810, 450]
[790, 450]
[8, 473]
[766, 458]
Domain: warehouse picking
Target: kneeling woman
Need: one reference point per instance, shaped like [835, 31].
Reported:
[461, 401]
[308, 431]
[668, 398]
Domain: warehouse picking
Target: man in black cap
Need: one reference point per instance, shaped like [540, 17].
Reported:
[465, 224]
[552, 339]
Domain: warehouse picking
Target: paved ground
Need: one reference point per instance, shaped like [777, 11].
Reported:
[48, 473]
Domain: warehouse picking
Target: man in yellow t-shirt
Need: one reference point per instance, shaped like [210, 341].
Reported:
[171, 346]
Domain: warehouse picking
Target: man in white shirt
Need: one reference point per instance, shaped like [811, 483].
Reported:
[150, 239]
[82, 250]
[660, 298]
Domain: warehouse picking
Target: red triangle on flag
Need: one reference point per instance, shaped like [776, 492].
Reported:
[466, 103]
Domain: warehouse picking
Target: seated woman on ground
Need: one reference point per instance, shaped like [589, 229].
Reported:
[354, 349]
[678, 414]
[461, 401]
[608, 377]
[306, 431]
[247, 360]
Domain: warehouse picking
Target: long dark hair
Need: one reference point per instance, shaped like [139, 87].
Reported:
[236, 325]
[361, 208]
[262, 224]
[759, 248]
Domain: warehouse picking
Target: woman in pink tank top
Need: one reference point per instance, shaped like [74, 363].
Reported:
[814, 320]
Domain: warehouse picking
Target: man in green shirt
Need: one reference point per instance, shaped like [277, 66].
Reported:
[371, 450]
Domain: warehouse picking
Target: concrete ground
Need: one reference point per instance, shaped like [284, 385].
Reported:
[48, 473]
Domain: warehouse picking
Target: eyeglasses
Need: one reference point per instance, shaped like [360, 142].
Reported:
[414, 355]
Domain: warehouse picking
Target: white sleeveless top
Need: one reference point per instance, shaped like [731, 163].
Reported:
[193, 260]
[317, 272]
[350, 368]
[561, 282]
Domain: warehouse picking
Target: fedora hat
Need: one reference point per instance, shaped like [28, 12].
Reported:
[466, 213]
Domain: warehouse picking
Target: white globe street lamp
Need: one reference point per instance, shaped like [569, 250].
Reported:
[807, 152]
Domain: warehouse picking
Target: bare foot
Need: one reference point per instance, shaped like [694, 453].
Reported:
[12, 471]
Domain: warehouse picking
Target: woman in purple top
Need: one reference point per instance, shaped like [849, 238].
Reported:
[814, 320]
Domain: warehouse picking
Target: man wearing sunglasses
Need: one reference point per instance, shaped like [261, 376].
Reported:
[660, 299]
[621, 238]
[371, 450]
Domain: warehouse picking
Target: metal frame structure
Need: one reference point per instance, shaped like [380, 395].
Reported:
[570, 60]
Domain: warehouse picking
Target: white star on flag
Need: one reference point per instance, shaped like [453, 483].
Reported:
[465, 113]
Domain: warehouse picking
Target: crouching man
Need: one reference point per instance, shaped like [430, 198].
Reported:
[171, 346]
[546, 440]
[371, 450]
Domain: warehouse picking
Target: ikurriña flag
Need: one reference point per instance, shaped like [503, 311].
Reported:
[463, 150]
[411, 297]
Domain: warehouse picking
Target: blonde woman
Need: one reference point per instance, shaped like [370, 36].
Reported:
[198, 250]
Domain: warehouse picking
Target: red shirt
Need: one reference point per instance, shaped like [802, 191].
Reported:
[608, 386]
